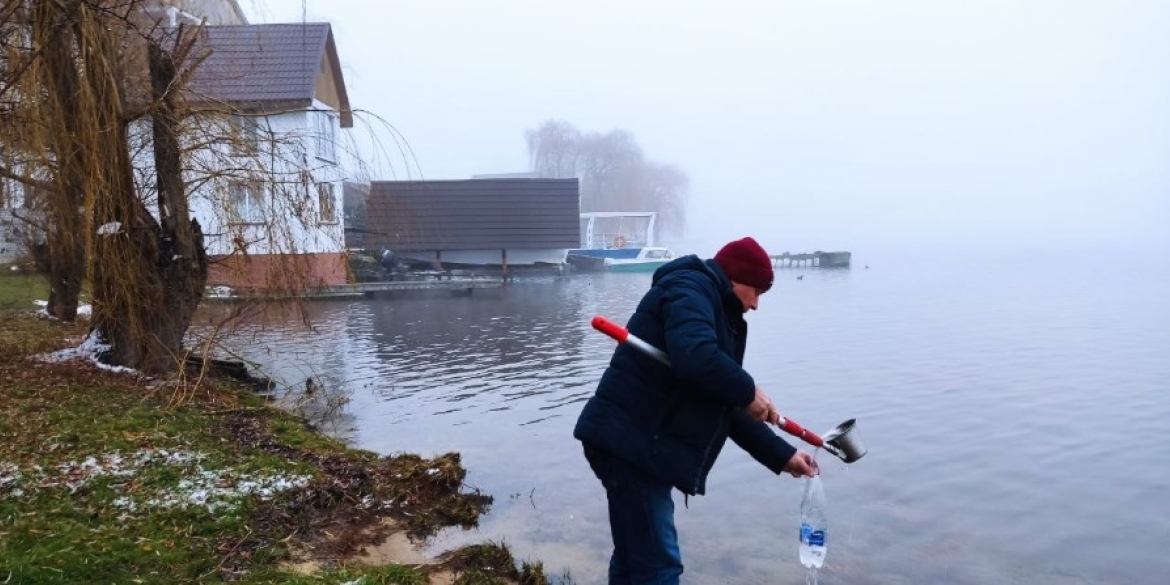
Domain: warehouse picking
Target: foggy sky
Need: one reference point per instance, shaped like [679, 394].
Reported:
[817, 124]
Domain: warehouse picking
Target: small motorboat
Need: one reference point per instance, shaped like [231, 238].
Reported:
[647, 260]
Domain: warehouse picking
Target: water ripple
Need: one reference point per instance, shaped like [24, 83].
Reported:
[1014, 416]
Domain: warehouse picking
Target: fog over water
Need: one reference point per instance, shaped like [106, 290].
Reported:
[1001, 167]
[813, 125]
[1014, 413]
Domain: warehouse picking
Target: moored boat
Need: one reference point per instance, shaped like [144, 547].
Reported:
[613, 236]
[647, 260]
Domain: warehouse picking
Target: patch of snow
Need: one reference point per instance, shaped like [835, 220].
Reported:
[220, 489]
[82, 309]
[125, 503]
[89, 350]
[213, 489]
[109, 229]
[10, 479]
[219, 292]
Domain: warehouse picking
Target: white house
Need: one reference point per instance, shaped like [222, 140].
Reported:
[13, 231]
[11, 235]
[269, 199]
[270, 206]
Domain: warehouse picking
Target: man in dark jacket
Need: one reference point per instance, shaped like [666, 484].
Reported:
[650, 427]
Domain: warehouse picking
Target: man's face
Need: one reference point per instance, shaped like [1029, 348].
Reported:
[749, 296]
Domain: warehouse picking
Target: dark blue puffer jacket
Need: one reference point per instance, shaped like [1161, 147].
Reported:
[672, 422]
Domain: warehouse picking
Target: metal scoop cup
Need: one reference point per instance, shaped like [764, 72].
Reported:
[843, 443]
[839, 442]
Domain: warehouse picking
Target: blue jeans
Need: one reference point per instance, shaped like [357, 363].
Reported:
[641, 520]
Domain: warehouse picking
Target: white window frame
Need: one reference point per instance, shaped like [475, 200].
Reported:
[247, 134]
[246, 201]
[325, 132]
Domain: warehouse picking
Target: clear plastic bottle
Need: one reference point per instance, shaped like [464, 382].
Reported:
[812, 524]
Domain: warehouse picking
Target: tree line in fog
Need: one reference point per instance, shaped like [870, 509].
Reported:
[615, 174]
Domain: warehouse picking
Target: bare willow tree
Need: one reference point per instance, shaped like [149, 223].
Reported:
[41, 85]
[70, 74]
[99, 129]
[615, 174]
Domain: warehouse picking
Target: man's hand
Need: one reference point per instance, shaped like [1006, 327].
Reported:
[802, 465]
[762, 408]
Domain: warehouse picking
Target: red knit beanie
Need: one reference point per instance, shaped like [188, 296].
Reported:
[746, 262]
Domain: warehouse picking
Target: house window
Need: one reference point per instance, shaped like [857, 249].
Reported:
[246, 135]
[328, 205]
[326, 136]
[247, 201]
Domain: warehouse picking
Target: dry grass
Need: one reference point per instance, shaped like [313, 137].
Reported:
[105, 478]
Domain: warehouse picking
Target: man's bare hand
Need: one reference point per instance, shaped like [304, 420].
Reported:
[802, 465]
[762, 408]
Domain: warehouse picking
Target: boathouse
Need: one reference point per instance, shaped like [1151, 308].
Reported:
[498, 224]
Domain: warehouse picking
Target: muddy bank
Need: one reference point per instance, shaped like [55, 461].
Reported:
[112, 477]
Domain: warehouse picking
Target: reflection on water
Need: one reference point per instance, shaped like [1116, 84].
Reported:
[981, 390]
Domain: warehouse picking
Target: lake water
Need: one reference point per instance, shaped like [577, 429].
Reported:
[1015, 408]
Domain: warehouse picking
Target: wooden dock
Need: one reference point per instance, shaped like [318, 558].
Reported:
[815, 259]
[358, 289]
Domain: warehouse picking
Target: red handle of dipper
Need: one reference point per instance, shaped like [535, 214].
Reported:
[623, 336]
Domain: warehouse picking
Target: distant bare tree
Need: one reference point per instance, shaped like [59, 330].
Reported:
[553, 150]
[615, 175]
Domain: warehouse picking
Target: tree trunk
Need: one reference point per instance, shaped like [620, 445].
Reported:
[149, 278]
[65, 247]
[66, 264]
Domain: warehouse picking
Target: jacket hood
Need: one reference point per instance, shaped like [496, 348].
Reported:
[690, 262]
[710, 268]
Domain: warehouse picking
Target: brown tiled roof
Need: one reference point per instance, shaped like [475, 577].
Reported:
[477, 214]
[267, 66]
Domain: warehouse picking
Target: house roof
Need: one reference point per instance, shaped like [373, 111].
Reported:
[477, 214]
[270, 66]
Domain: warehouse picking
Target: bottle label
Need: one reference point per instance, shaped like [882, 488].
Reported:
[817, 538]
[805, 532]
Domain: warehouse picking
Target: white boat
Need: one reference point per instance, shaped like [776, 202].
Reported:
[612, 235]
[647, 260]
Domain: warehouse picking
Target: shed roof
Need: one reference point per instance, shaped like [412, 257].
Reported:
[477, 214]
[267, 66]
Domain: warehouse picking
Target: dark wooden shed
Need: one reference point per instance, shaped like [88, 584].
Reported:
[476, 221]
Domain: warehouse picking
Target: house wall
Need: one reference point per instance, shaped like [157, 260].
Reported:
[326, 86]
[286, 272]
[292, 226]
[477, 214]
[12, 230]
[289, 246]
[11, 242]
[215, 11]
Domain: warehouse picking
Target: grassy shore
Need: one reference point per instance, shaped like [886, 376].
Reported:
[115, 478]
[18, 290]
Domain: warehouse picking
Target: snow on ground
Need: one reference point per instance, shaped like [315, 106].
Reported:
[82, 309]
[198, 485]
[89, 350]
